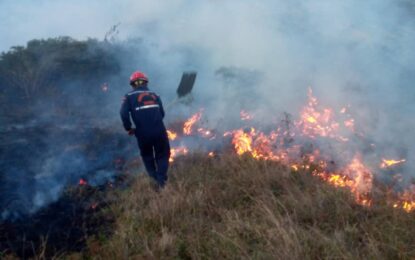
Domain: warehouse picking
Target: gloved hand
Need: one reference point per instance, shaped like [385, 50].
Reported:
[131, 131]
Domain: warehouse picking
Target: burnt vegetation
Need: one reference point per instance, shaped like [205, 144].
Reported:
[51, 136]
[61, 227]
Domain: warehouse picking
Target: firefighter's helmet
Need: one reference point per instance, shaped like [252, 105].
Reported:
[138, 78]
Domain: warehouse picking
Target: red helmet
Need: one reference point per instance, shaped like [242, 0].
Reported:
[138, 75]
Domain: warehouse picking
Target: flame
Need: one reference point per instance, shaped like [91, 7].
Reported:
[300, 153]
[406, 200]
[311, 119]
[349, 124]
[242, 141]
[175, 152]
[187, 128]
[317, 122]
[172, 135]
[408, 206]
[389, 163]
[362, 178]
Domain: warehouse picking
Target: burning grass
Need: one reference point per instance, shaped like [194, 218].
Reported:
[240, 207]
[320, 137]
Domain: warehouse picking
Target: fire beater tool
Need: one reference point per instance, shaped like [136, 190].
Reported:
[185, 88]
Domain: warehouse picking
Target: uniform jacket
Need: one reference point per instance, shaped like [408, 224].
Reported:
[146, 110]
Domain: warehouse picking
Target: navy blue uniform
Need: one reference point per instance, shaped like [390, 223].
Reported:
[147, 112]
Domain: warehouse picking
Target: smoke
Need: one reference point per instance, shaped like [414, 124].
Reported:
[261, 56]
[338, 48]
[351, 53]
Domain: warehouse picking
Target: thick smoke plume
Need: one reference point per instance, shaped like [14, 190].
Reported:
[259, 56]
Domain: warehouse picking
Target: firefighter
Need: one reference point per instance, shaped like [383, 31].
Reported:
[146, 110]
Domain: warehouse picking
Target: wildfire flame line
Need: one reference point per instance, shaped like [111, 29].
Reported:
[278, 145]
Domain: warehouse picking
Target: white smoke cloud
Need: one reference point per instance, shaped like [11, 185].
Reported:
[351, 52]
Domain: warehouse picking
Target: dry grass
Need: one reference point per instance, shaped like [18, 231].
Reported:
[233, 208]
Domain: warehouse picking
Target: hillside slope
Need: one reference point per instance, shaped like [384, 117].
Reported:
[236, 208]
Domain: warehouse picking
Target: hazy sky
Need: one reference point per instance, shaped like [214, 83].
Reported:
[329, 44]
[24, 20]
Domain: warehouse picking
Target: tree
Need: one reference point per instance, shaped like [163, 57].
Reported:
[42, 65]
